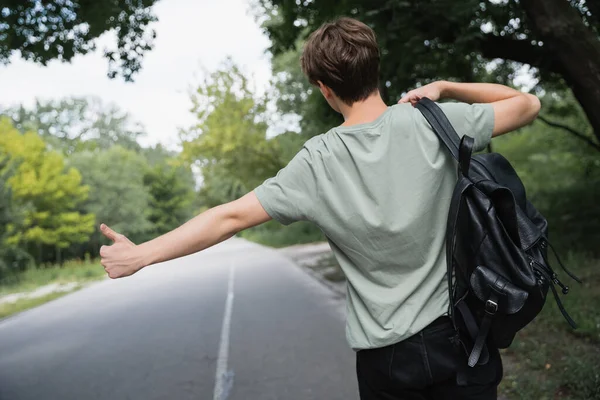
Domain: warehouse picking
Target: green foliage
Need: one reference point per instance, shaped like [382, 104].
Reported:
[295, 95]
[171, 186]
[11, 256]
[171, 196]
[229, 142]
[78, 124]
[275, 235]
[41, 31]
[118, 196]
[426, 40]
[101, 142]
[160, 155]
[49, 192]
[230, 147]
[219, 187]
[289, 144]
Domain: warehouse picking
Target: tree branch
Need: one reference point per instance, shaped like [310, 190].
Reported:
[572, 131]
[523, 51]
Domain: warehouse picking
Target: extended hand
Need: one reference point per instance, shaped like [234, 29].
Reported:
[432, 90]
[119, 259]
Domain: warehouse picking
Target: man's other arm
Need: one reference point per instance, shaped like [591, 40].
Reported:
[512, 109]
[124, 258]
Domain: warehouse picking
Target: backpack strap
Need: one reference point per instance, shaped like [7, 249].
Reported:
[461, 149]
[440, 124]
[479, 353]
[459, 190]
[447, 135]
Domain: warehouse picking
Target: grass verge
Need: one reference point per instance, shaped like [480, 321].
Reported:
[73, 271]
[7, 309]
[548, 360]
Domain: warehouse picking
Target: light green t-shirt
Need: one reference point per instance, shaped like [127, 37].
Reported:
[380, 192]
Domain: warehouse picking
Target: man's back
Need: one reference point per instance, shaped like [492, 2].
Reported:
[380, 192]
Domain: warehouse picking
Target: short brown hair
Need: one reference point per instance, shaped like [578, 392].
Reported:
[343, 54]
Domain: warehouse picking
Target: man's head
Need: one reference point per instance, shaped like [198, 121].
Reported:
[342, 56]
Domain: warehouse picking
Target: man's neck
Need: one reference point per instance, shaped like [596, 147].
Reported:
[363, 112]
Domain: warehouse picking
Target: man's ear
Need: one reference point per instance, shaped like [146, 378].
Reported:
[325, 90]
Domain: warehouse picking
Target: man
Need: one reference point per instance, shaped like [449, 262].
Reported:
[379, 187]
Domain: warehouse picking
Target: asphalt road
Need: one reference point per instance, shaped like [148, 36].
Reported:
[237, 322]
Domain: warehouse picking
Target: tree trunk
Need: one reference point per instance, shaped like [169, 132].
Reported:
[576, 48]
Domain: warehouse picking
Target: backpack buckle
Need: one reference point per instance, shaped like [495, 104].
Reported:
[491, 307]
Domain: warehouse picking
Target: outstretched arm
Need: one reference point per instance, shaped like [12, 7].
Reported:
[124, 258]
[512, 109]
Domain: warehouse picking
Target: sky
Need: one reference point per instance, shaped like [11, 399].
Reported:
[191, 35]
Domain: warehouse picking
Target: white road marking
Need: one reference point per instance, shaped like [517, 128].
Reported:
[223, 379]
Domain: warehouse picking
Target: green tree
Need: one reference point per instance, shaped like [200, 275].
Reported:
[219, 186]
[426, 40]
[158, 154]
[78, 123]
[171, 196]
[118, 197]
[41, 31]
[229, 143]
[11, 256]
[50, 193]
[294, 94]
[171, 185]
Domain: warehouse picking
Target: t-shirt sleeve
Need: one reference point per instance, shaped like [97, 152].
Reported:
[475, 120]
[292, 194]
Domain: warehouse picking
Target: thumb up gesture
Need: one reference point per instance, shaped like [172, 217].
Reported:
[121, 258]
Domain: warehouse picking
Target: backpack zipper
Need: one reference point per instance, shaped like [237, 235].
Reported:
[549, 274]
[552, 279]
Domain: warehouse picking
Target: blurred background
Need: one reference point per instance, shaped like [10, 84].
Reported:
[142, 113]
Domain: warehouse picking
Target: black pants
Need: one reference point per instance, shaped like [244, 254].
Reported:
[425, 367]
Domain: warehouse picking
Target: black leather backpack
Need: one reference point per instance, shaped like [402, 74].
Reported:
[496, 247]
